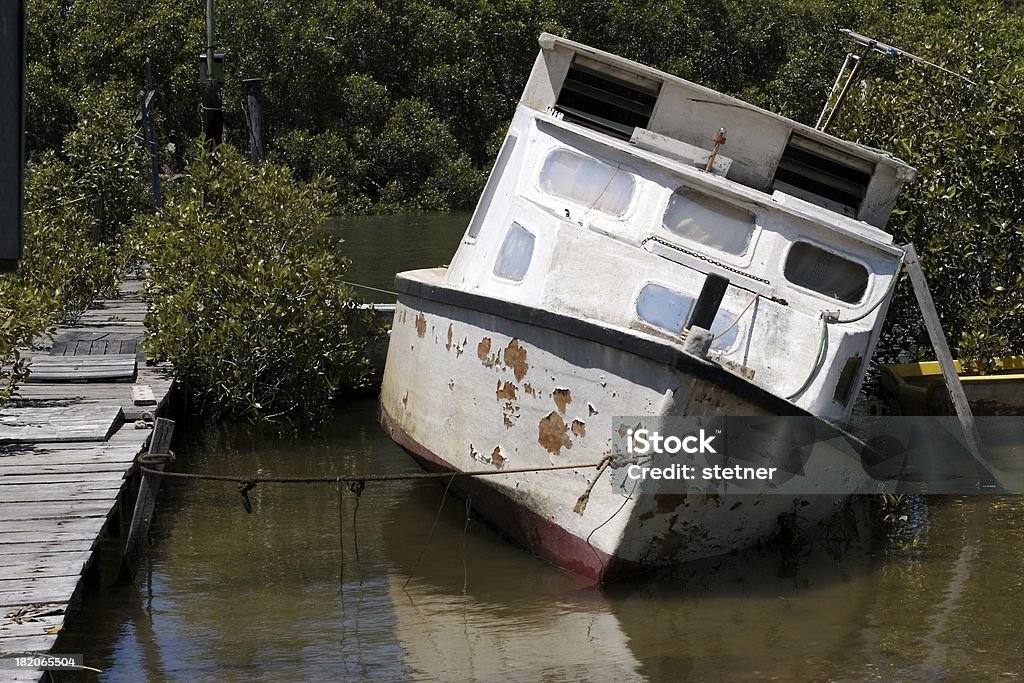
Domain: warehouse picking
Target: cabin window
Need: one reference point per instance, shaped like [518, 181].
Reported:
[826, 273]
[668, 310]
[607, 99]
[583, 180]
[492, 186]
[515, 254]
[710, 221]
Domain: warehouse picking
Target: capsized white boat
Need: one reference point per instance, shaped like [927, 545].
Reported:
[618, 215]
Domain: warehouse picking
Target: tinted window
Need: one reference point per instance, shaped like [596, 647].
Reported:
[668, 309]
[825, 272]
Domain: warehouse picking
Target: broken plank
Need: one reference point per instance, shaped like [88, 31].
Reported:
[142, 395]
[53, 424]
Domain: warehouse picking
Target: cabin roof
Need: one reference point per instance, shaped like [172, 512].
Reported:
[903, 170]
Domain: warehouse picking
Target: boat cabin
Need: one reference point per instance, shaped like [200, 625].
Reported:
[611, 200]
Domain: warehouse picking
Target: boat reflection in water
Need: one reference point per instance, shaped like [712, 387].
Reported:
[887, 607]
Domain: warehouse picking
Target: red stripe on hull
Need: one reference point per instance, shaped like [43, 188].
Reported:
[543, 537]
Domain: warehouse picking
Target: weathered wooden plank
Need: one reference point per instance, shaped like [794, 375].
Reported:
[53, 589]
[55, 510]
[45, 547]
[32, 633]
[142, 395]
[73, 423]
[67, 470]
[38, 563]
[39, 643]
[42, 493]
[78, 367]
[119, 452]
[109, 475]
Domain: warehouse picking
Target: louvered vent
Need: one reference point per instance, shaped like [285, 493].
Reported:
[824, 176]
[598, 96]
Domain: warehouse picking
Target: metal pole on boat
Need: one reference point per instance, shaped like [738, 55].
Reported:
[702, 315]
[987, 479]
[870, 45]
[846, 86]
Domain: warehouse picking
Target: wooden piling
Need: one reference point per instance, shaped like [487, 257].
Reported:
[253, 106]
[145, 503]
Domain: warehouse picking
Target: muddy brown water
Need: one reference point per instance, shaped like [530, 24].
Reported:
[308, 588]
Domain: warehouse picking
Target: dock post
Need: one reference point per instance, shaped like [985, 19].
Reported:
[149, 487]
[252, 104]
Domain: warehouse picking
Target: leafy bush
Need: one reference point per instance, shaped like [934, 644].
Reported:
[248, 302]
[79, 213]
[965, 212]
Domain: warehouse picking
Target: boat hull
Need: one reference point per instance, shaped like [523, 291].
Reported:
[919, 388]
[477, 384]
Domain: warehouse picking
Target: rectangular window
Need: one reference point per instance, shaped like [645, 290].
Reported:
[586, 181]
[515, 254]
[826, 273]
[492, 186]
[710, 221]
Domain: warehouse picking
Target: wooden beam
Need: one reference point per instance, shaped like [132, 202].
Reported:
[149, 488]
[987, 479]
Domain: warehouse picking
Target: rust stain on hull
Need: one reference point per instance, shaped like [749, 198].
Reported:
[579, 428]
[483, 352]
[553, 433]
[448, 346]
[562, 398]
[515, 358]
[421, 325]
[505, 391]
[497, 458]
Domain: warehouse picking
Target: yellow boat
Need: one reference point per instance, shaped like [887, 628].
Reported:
[918, 388]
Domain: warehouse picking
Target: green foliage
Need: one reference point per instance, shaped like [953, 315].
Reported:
[404, 103]
[248, 302]
[80, 205]
[965, 213]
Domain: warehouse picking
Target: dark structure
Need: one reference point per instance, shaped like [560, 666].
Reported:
[12, 131]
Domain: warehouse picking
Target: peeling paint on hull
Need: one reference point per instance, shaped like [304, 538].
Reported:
[612, 535]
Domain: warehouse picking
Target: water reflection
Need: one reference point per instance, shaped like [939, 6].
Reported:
[380, 246]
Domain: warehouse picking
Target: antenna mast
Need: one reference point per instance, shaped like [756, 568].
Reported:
[851, 69]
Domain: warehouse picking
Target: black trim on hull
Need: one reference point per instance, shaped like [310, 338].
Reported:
[609, 336]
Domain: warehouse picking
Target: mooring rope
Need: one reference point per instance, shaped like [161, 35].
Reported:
[247, 484]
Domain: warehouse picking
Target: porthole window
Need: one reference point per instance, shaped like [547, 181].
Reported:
[515, 254]
[710, 221]
[591, 183]
[826, 272]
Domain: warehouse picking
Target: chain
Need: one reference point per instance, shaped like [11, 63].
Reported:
[704, 258]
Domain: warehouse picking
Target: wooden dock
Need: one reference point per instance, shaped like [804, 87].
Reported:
[66, 448]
